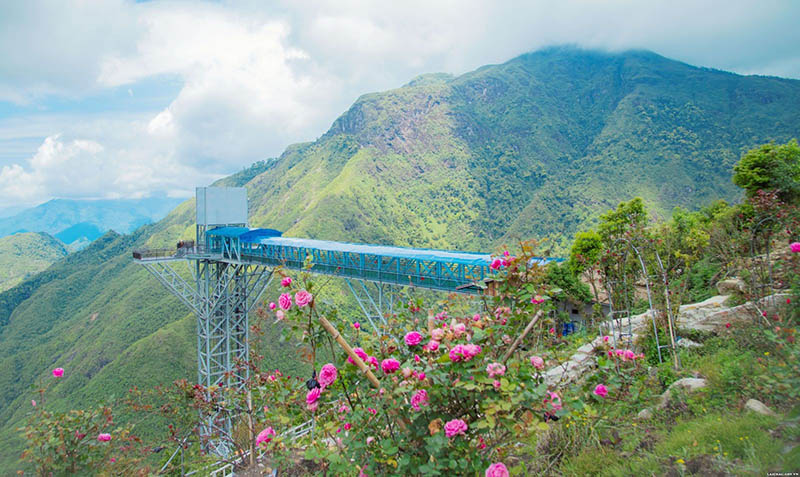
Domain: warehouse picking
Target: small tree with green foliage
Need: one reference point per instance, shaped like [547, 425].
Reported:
[771, 167]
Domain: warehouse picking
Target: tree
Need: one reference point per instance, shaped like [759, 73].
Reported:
[584, 256]
[628, 216]
[770, 167]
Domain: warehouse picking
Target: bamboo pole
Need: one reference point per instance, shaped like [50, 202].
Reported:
[522, 336]
[359, 362]
[401, 421]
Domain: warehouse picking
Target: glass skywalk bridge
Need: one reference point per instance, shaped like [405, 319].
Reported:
[442, 270]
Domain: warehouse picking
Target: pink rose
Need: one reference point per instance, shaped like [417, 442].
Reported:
[327, 375]
[505, 253]
[629, 354]
[601, 391]
[795, 247]
[421, 376]
[33, 402]
[457, 353]
[280, 315]
[104, 437]
[373, 361]
[360, 353]
[497, 470]
[496, 384]
[605, 339]
[390, 365]
[459, 329]
[265, 436]
[464, 352]
[537, 300]
[287, 281]
[495, 369]
[285, 301]
[58, 372]
[437, 334]
[417, 358]
[303, 298]
[471, 350]
[420, 398]
[432, 345]
[356, 325]
[347, 426]
[537, 362]
[407, 372]
[413, 338]
[311, 399]
[272, 305]
[477, 317]
[496, 264]
[455, 427]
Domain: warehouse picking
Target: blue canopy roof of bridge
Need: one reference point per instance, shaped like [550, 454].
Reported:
[272, 237]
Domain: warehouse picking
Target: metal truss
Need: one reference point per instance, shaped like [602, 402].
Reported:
[221, 298]
[376, 300]
[168, 277]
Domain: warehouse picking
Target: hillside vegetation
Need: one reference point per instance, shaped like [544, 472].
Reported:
[26, 254]
[535, 147]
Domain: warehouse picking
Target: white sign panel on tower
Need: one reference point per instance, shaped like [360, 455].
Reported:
[221, 205]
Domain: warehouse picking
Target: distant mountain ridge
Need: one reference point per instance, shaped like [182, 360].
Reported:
[534, 147]
[85, 220]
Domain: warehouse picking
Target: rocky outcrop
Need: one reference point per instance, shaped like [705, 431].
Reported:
[712, 314]
[707, 315]
[578, 364]
[731, 286]
[757, 406]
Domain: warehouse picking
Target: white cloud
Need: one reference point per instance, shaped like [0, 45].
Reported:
[255, 77]
[82, 168]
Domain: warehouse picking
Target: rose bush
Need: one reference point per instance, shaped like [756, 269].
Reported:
[453, 405]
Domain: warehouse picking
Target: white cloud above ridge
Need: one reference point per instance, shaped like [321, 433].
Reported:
[255, 80]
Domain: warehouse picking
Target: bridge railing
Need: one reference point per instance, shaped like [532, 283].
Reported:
[143, 254]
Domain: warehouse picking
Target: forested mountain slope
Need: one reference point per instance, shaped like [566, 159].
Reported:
[26, 254]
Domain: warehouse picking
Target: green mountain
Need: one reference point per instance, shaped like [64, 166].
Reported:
[536, 146]
[26, 254]
[81, 221]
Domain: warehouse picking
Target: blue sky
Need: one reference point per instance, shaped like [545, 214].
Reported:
[107, 99]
